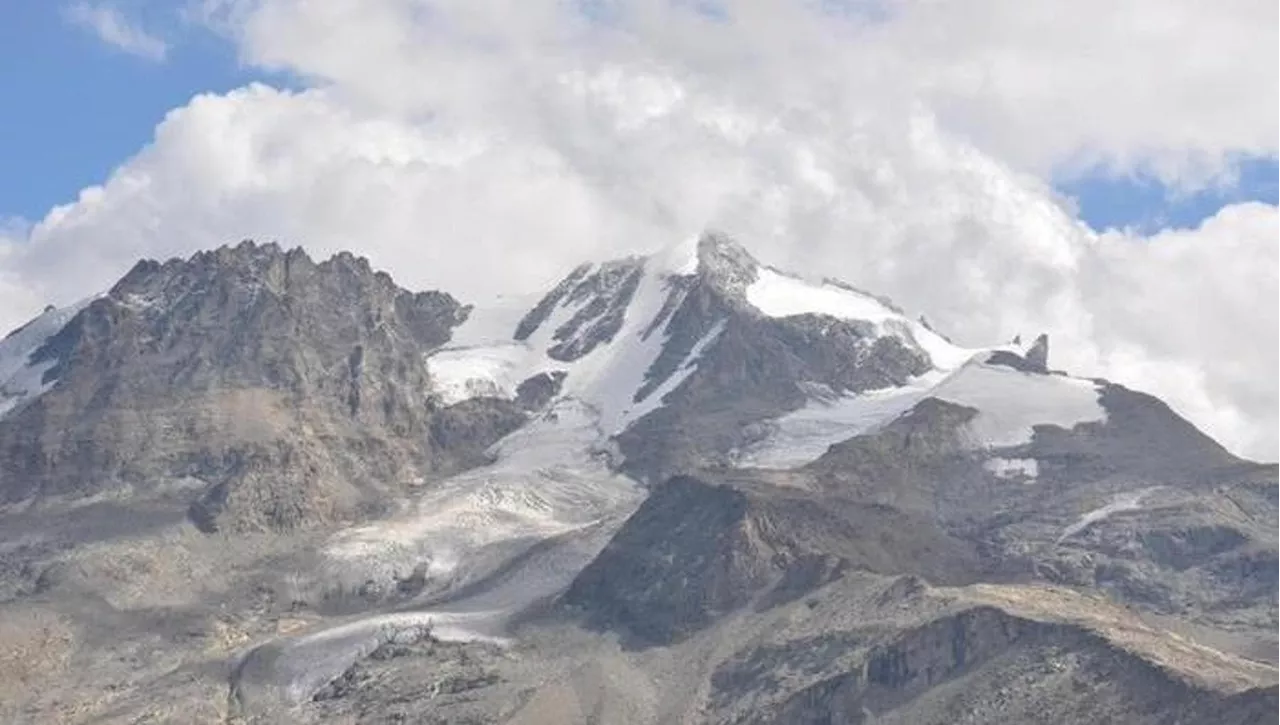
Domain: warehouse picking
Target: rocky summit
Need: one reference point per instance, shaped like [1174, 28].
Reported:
[250, 487]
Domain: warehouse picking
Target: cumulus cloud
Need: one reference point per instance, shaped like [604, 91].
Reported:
[483, 147]
[115, 29]
[1169, 88]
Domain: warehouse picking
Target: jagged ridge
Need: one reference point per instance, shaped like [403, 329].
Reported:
[292, 392]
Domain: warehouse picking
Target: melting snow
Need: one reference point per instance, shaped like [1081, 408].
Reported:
[294, 669]
[1129, 501]
[804, 435]
[548, 484]
[547, 480]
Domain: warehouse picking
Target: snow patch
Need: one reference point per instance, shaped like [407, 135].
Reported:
[608, 377]
[1128, 501]
[1010, 402]
[493, 371]
[21, 381]
[804, 435]
[483, 358]
[943, 354]
[779, 295]
[1026, 468]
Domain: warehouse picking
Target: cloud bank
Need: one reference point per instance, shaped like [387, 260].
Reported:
[484, 147]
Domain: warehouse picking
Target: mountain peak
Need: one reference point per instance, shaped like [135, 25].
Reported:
[248, 344]
[712, 253]
[724, 263]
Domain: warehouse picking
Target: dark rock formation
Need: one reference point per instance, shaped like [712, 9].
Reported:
[295, 390]
[601, 296]
[1038, 354]
[696, 551]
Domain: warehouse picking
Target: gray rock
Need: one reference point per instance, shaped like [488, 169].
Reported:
[295, 389]
[1038, 354]
[603, 294]
[698, 551]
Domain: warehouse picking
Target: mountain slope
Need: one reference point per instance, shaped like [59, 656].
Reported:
[687, 487]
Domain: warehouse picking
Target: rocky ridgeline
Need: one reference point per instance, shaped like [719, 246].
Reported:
[292, 393]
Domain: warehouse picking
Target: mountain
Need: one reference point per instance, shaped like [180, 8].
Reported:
[287, 393]
[689, 487]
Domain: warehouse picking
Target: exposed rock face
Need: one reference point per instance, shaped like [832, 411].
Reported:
[1141, 436]
[603, 295]
[911, 463]
[1034, 360]
[535, 392]
[696, 551]
[759, 368]
[1038, 355]
[294, 390]
[979, 664]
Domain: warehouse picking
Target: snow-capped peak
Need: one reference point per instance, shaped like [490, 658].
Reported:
[599, 327]
[729, 267]
[622, 336]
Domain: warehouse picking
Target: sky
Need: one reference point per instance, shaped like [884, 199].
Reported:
[81, 103]
[1101, 170]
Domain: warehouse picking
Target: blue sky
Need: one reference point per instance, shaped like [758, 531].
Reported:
[78, 107]
[1144, 203]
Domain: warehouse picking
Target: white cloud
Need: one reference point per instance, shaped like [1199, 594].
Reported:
[113, 28]
[1172, 88]
[484, 146]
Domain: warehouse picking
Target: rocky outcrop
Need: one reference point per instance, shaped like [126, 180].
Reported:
[1038, 354]
[601, 296]
[1141, 436]
[294, 390]
[696, 551]
[985, 665]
